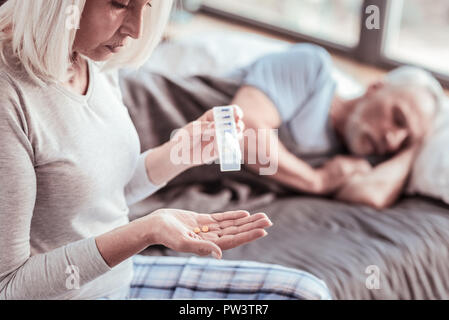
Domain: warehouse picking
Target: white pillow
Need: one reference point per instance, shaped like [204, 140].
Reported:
[218, 53]
[430, 175]
[209, 52]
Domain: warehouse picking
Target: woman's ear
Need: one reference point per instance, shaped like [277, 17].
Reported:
[375, 86]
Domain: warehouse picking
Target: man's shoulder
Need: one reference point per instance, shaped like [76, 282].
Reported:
[312, 54]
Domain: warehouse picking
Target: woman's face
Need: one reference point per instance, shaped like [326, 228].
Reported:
[106, 24]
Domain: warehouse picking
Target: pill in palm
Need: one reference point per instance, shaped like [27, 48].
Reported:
[205, 229]
[197, 230]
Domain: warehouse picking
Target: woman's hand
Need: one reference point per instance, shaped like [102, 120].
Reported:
[192, 145]
[196, 140]
[175, 229]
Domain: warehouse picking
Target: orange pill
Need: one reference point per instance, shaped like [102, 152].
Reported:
[197, 230]
[205, 229]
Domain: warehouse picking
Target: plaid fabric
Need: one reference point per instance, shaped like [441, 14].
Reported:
[204, 278]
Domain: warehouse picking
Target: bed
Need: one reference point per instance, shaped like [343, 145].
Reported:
[405, 247]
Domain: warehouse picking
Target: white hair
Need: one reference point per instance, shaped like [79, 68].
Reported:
[409, 76]
[37, 32]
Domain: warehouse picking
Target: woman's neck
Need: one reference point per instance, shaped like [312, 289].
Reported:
[79, 75]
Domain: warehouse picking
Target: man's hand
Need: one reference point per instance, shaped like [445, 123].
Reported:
[336, 172]
[381, 187]
[175, 229]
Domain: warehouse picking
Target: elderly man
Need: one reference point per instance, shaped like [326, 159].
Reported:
[295, 88]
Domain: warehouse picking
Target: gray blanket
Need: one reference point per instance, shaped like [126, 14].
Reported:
[336, 242]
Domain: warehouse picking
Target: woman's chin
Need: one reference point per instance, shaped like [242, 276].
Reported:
[105, 57]
[101, 54]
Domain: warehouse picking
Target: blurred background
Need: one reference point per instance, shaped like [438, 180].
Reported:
[411, 31]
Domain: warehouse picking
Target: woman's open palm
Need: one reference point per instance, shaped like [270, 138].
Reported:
[204, 234]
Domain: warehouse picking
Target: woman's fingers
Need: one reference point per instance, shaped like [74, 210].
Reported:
[239, 114]
[258, 224]
[207, 116]
[227, 230]
[203, 128]
[229, 215]
[215, 220]
[240, 129]
[231, 241]
[241, 221]
[240, 125]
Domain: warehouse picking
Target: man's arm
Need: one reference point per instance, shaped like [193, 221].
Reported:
[260, 113]
[381, 187]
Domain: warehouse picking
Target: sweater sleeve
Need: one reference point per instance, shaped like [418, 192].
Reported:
[140, 186]
[22, 276]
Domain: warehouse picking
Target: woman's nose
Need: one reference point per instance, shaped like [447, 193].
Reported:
[132, 26]
[395, 139]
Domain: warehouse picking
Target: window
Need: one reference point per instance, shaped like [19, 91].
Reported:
[418, 33]
[410, 31]
[336, 20]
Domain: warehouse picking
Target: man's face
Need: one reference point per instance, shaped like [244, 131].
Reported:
[388, 118]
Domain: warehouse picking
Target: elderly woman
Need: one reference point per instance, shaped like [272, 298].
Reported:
[70, 167]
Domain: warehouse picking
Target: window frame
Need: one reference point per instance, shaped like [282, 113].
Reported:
[369, 50]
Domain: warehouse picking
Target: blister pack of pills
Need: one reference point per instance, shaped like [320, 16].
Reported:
[227, 139]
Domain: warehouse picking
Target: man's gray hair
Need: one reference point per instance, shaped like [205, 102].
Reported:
[413, 76]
